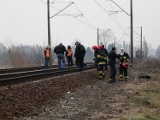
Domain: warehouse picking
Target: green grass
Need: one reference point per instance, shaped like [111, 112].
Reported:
[143, 116]
[148, 98]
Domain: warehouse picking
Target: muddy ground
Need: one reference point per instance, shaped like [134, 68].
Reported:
[82, 96]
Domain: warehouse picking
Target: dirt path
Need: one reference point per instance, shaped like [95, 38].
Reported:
[98, 100]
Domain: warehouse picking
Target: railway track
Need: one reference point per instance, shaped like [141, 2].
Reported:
[15, 76]
[22, 69]
[10, 70]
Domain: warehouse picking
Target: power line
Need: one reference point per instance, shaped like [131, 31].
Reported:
[120, 7]
[95, 28]
[62, 9]
[84, 16]
[43, 2]
[116, 17]
[109, 15]
[77, 8]
[55, 1]
[76, 19]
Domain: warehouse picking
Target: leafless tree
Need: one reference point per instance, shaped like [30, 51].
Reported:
[158, 52]
[106, 37]
[145, 48]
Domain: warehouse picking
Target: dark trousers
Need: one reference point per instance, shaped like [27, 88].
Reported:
[106, 66]
[113, 71]
[80, 61]
[70, 61]
[122, 70]
[46, 62]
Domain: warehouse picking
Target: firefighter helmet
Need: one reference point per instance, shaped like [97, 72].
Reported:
[94, 47]
[100, 46]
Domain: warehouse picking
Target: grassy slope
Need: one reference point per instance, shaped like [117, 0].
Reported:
[146, 102]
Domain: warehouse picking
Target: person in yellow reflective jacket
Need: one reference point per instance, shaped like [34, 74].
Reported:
[123, 64]
[101, 60]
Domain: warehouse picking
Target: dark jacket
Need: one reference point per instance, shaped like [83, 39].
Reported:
[105, 51]
[60, 49]
[112, 56]
[124, 57]
[79, 50]
[101, 58]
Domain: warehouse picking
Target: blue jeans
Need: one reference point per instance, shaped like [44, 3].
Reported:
[61, 61]
[46, 62]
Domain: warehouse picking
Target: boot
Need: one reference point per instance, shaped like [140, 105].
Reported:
[120, 77]
[126, 78]
[110, 81]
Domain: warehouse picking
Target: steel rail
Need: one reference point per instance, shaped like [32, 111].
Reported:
[37, 75]
[20, 69]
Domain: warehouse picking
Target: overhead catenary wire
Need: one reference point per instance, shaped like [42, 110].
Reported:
[85, 16]
[116, 16]
[90, 26]
[55, 1]
[120, 7]
[62, 9]
[76, 19]
[109, 15]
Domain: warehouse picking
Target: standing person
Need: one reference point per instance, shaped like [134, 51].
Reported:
[123, 62]
[69, 56]
[105, 52]
[101, 60]
[95, 49]
[47, 56]
[79, 55]
[60, 50]
[112, 61]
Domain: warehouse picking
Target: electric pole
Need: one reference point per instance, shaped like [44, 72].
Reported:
[141, 44]
[49, 30]
[97, 36]
[131, 42]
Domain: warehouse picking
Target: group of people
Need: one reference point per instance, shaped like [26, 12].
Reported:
[102, 58]
[62, 52]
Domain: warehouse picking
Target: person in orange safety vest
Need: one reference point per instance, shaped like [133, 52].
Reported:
[47, 56]
[69, 56]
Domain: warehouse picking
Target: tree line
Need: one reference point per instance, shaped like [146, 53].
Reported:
[25, 56]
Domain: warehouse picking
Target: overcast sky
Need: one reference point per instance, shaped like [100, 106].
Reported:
[25, 21]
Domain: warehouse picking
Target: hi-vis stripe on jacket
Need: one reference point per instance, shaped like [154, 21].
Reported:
[101, 59]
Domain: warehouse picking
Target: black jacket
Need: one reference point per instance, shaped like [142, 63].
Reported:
[79, 51]
[60, 49]
[124, 58]
[112, 57]
[105, 51]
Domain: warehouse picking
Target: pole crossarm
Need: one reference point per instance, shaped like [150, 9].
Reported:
[62, 10]
[74, 15]
[120, 7]
[114, 12]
